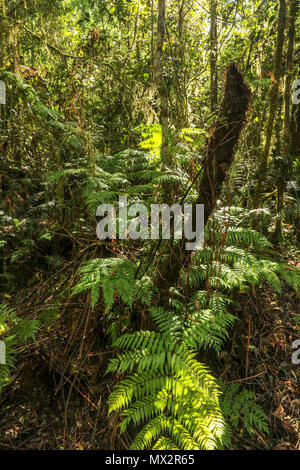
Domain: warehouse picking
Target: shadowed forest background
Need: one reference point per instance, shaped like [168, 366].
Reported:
[141, 344]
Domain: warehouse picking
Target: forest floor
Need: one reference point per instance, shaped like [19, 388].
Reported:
[63, 406]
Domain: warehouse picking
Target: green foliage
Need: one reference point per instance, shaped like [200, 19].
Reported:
[15, 332]
[151, 138]
[169, 390]
[199, 325]
[81, 127]
[238, 257]
[165, 388]
[113, 274]
[131, 173]
[240, 408]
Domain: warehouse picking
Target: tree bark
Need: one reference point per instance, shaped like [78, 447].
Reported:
[3, 34]
[263, 164]
[213, 55]
[219, 157]
[284, 163]
[289, 73]
[160, 83]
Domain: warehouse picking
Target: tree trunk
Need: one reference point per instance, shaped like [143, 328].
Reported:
[262, 166]
[219, 157]
[160, 83]
[213, 55]
[285, 162]
[3, 34]
[13, 44]
[295, 131]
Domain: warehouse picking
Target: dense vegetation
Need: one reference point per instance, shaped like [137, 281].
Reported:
[162, 102]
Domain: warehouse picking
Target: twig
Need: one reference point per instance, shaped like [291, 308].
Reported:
[248, 346]
[246, 378]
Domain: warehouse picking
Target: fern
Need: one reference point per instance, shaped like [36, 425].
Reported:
[170, 390]
[240, 407]
[113, 274]
[166, 390]
[14, 331]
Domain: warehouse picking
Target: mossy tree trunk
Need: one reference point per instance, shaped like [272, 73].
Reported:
[284, 163]
[219, 157]
[213, 55]
[3, 35]
[263, 163]
[160, 83]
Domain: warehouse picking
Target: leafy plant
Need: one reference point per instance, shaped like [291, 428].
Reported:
[15, 332]
[240, 409]
[174, 396]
